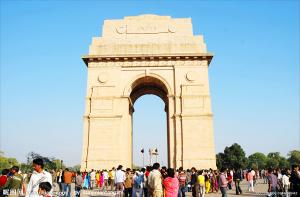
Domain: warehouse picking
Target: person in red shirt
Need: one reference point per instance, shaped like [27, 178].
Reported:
[147, 172]
[84, 174]
[229, 179]
[182, 182]
[3, 180]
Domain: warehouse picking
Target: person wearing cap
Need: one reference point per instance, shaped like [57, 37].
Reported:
[38, 176]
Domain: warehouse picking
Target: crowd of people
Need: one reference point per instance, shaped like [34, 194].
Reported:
[151, 181]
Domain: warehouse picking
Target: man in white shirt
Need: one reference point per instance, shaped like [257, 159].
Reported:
[119, 180]
[105, 178]
[93, 178]
[38, 176]
[285, 182]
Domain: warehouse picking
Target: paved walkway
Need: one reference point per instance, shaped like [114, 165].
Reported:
[260, 190]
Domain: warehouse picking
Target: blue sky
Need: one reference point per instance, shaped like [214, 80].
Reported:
[254, 75]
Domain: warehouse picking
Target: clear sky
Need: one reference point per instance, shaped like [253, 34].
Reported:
[254, 75]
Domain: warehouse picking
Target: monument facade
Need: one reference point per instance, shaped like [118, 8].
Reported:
[147, 54]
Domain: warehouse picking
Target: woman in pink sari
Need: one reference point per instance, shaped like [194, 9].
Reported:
[171, 184]
[101, 180]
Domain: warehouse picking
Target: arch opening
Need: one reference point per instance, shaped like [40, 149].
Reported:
[150, 86]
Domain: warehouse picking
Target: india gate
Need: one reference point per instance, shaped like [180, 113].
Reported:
[147, 54]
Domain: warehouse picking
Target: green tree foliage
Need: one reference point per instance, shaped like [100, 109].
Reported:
[7, 162]
[59, 164]
[50, 163]
[275, 160]
[294, 157]
[24, 167]
[219, 158]
[233, 157]
[75, 168]
[257, 161]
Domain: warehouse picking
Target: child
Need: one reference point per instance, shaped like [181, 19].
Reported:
[44, 189]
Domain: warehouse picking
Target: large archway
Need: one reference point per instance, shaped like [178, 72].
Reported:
[140, 55]
[149, 85]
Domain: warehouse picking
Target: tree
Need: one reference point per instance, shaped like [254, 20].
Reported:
[59, 164]
[24, 167]
[294, 157]
[75, 168]
[7, 162]
[233, 157]
[220, 160]
[50, 163]
[257, 161]
[275, 160]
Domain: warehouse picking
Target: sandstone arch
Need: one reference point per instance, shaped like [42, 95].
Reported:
[147, 54]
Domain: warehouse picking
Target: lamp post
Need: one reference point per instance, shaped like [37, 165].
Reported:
[150, 157]
[142, 151]
[156, 154]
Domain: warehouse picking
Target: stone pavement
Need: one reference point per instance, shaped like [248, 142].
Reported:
[260, 190]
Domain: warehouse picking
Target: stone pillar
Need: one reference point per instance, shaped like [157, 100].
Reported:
[171, 133]
[197, 137]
